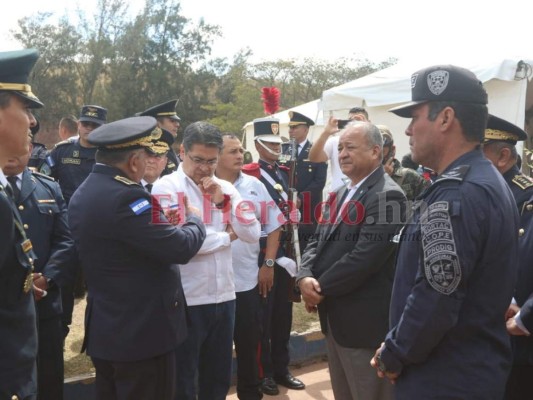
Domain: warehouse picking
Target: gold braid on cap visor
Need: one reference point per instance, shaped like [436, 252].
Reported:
[496, 134]
[19, 87]
[145, 141]
[166, 114]
[160, 148]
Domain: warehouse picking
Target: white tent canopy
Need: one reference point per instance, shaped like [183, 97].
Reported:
[505, 80]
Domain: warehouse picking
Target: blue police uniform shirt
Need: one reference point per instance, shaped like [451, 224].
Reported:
[455, 274]
[44, 213]
[70, 164]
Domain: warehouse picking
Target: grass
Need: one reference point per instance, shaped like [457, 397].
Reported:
[79, 364]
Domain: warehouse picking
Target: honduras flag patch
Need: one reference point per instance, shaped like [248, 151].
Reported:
[140, 206]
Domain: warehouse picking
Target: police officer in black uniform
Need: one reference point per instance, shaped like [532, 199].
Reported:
[44, 216]
[157, 160]
[39, 153]
[499, 147]
[165, 114]
[18, 330]
[135, 314]
[457, 260]
[277, 315]
[310, 177]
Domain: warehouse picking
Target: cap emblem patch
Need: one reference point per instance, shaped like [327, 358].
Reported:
[438, 81]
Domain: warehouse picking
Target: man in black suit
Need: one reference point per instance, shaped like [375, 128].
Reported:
[310, 176]
[348, 267]
[44, 214]
[18, 331]
[129, 252]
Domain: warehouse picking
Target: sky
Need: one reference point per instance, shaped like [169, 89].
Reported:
[373, 30]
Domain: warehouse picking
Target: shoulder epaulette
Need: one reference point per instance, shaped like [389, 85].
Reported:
[522, 181]
[125, 180]
[70, 140]
[252, 169]
[40, 175]
[455, 174]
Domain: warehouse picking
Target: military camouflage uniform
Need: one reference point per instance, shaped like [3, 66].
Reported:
[409, 180]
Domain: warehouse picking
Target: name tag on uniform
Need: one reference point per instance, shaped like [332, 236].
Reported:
[140, 206]
[75, 161]
[48, 201]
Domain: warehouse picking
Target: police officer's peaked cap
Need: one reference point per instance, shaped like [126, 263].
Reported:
[124, 134]
[95, 114]
[267, 130]
[299, 119]
[443, 83]
[161, 141]
[15, 68]
[167, 109]
[503, 131]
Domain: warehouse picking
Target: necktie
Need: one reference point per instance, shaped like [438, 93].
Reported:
[148, 187]
[15, 189]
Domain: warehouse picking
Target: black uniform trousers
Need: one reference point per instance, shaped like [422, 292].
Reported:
[277, 322]
[50, 367]
[246, 337]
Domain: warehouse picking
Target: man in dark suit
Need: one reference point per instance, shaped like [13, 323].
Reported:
[310, 176]
[129, 252]
[44, 215]
[18, 331]
[348, 267]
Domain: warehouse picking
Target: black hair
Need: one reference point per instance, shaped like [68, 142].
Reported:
[204, 133]
[472, 117]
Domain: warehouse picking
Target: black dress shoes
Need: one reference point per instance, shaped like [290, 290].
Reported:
[268, 386]
[290, 382]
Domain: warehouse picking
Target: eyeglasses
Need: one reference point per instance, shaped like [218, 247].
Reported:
[201, 161]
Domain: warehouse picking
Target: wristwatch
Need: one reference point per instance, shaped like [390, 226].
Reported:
[269, 262]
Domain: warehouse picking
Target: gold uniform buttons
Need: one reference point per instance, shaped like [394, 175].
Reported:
[521, 232]
[529, 207]
[14, 397]
[21, 207]
[26, 226]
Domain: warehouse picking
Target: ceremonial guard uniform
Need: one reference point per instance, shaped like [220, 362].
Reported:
[310, 179]
[277, 318]
[160, 112]
[135, 315]
[18, 330]
[44, 215]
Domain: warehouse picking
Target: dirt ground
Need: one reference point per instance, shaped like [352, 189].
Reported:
[79, 364]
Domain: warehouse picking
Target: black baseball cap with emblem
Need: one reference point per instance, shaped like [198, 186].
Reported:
[95, 114]
[299, 119]
[501, 130]
[167, 109]
[124, 134]
[161, 141]
[15, 69]
[443, 83]
[267, 130]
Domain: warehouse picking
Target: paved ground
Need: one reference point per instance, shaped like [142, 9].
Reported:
[316, 378]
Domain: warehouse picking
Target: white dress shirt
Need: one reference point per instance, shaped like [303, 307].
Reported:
[331, 148]
[208, 277]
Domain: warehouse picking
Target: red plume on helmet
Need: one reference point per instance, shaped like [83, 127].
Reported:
[270, 97]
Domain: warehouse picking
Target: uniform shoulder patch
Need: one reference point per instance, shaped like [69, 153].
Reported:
[139, 206]
[252, 169]
[522, 181]
[125, 180]
[442, 268]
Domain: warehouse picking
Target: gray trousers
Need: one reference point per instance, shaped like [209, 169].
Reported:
[352, 377]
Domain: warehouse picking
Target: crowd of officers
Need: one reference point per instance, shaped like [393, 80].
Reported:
[185, 254]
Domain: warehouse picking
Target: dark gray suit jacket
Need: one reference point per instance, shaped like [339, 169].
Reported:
[353, 261]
